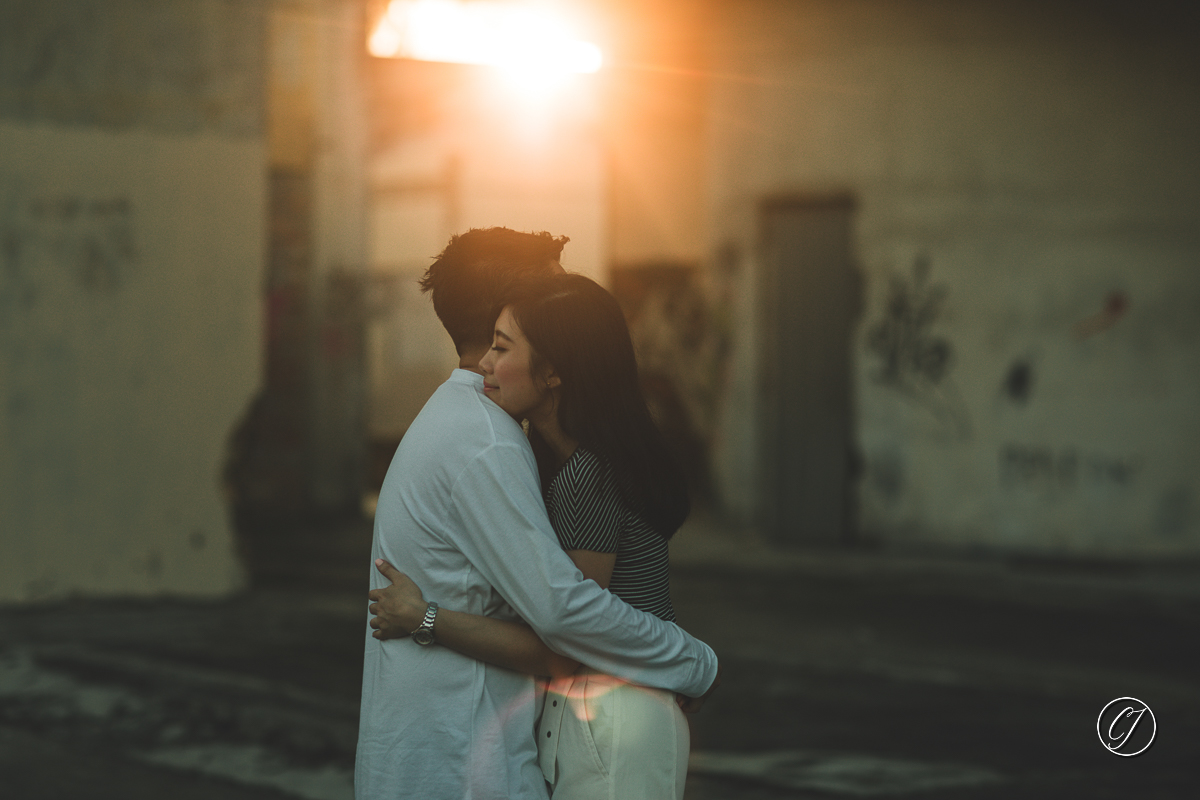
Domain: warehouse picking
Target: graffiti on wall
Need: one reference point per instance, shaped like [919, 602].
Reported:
[911, 355]
[89, 239]
[1042, 467]
[913, 358]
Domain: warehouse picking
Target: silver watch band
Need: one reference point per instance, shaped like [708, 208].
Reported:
[423, 635]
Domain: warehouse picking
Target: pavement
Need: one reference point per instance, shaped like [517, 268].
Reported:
[846, 673]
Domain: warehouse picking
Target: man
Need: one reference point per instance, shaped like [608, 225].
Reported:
[461, 512]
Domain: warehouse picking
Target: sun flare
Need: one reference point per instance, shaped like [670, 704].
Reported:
[529, 46]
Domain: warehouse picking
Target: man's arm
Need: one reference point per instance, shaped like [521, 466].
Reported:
[503, 531]
[399, 609]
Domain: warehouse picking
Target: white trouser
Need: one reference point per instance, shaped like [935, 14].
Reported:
[603, 739]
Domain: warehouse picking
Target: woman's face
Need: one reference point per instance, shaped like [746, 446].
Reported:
[508, 377]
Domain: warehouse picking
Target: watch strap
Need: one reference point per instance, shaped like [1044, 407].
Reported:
[423, 635]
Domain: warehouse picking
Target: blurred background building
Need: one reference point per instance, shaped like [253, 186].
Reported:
[133, 222]
[909, 274]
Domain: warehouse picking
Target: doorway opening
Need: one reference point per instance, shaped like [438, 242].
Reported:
[809, 300]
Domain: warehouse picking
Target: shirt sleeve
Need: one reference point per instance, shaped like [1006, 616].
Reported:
[506, 535]
[587, 505]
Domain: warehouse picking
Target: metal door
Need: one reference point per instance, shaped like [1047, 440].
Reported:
[809, 299]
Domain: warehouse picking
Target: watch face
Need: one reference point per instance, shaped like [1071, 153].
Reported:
[423, 637]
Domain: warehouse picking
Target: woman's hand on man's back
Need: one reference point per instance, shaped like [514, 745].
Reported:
[691, 705]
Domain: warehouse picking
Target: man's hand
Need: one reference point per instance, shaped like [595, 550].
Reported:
[691, 705]
[398, 609]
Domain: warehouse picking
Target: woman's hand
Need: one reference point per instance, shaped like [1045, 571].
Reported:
[691, 705]
[397, 610]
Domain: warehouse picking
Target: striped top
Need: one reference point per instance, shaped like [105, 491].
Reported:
[587, 513]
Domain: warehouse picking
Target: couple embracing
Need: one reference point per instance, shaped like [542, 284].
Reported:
[525, 646]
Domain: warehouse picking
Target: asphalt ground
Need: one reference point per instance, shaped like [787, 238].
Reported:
[845, 674]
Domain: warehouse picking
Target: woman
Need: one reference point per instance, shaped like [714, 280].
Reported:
[562, 360]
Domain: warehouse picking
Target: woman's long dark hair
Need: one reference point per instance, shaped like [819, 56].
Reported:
[576, 326]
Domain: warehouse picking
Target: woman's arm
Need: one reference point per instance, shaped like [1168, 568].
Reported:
[400, 609]
[512, 645]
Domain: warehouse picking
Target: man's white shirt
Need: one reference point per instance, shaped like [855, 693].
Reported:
[461, 512]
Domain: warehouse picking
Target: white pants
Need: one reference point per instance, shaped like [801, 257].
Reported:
[602, 739]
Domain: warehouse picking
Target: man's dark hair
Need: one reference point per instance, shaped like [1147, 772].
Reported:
[474, 272]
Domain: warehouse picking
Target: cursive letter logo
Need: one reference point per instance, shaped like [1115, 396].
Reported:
[1121, 727]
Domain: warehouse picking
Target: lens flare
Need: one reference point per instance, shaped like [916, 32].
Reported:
[521, 41]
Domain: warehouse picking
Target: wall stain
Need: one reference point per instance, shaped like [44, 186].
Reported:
[154, 563]
[886, 475]
[40, 588]
[1116, 304]
[1018, 383]
[1174, 513]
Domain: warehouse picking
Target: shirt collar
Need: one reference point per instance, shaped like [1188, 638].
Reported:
[467, 376]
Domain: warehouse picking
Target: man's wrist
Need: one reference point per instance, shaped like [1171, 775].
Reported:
[412, 615]
[423, 633]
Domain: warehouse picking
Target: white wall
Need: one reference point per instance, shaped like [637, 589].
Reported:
[1042, 163]
[130, 343]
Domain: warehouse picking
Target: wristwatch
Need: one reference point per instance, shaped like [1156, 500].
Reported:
[423, 635]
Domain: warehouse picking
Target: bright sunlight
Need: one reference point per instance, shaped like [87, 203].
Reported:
[532, 48]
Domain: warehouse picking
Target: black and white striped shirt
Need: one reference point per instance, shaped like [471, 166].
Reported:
[587, 513]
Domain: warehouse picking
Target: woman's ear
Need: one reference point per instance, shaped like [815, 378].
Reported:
[552, 380]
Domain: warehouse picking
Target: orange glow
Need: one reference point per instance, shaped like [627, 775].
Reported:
[530, 46]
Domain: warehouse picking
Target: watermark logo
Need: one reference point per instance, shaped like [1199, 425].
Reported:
[1126, 726]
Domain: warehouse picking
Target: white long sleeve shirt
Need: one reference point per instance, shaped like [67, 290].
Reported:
[461, 512]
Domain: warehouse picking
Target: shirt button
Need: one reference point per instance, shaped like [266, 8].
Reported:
[555, 702]
[547, 734]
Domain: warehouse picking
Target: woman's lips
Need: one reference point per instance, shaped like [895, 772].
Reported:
[487, 387]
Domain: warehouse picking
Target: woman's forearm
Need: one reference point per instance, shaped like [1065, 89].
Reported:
[512, 645]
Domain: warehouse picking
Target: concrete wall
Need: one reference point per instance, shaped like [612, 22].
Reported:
[1040, 161]
[339, 250]
[132, 191]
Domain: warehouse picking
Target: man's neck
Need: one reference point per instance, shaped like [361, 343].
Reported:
[471, 356]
